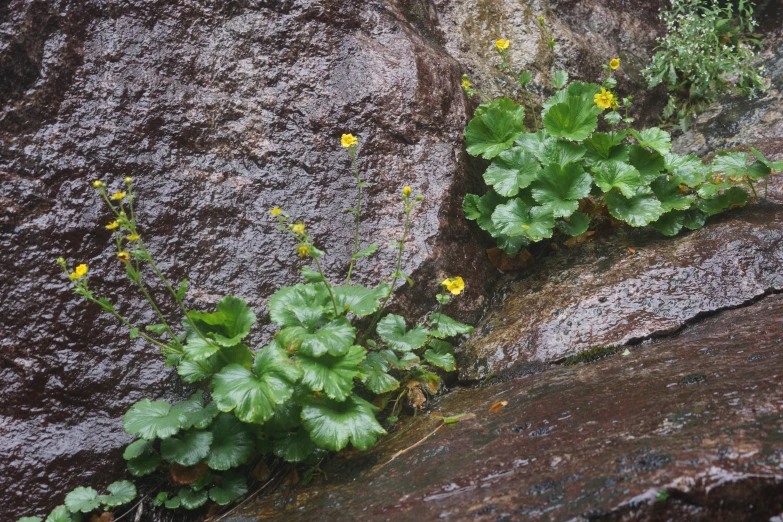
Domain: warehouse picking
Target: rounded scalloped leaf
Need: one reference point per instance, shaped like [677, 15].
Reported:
[670, 223]
[667, 190]
[391, 329]
[561, 152]
[512, 170]
[638, 211]
[623, 177]
[732, 197]
[332, 425]
[495, 128]
[228, 325]
[576, 224]
[560, 189]
[233, 485]
[441, 354]
[190, 499]
[294, 447]
[335, 337]
[121, 492]
[30, 519]
[232, 443]
[574, 119]
[378, 381]
[189, 450]
[444, 326]
[254, 395]
[649, 163]
[137, 448]
[287, 300]
[58, 514]
[82, 500]
[150, 420]
[517, 219]
[360, 300]
[194, 371]
[654, 138]
[332, 375]
[144, 464]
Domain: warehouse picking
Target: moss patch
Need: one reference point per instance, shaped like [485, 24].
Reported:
[591, 355]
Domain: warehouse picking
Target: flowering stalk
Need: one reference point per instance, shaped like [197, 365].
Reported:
[352, 143]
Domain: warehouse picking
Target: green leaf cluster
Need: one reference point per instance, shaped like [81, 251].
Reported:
[556, 180]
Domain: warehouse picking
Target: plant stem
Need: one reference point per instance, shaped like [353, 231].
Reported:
[752, 188]
[405, 227]
[358, 213]
[328, 286]
[129, 325]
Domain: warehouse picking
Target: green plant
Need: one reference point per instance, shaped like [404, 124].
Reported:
[306, 393]
[559, 179]
[710, 48]
[85, 501]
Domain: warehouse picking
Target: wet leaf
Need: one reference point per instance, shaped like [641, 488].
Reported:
[654, 138]
[359, 300]
[58, 514]
[186, 475]
[637, 211]
[391, 329]
[228, 325]
[82, 500]
[332, 375]
[232, 443]
[294, 447]
[188, 450]
[444, 326]
[512, 170]
[190, 499]
[498, 406]
[332, 425]
[151, 420]
[495, 128]
[144, 464]
[441, 354]
[120, 492]
[334, 337]
[233, 485]
[575, 118]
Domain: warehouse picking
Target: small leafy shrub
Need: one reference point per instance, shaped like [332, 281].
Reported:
[559, 178]
[710, 49]
[85, 501]
[335, 363]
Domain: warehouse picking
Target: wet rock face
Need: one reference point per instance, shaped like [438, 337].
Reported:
[697, 415]
[219, 111]
[628, 287]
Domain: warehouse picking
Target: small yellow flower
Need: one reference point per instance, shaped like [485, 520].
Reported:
[502, 44]
[303, 250]
[123, 256]
[614, 63]
[112, 225]
[97, 183]
[455, 285]
[79, 272]
[298, 228]
[276, 211]
[128, 179]
[118, 196]
[134, 237]
[407, 190]
[466, 84]
[349, 140]
[604, 99]
[526, 227]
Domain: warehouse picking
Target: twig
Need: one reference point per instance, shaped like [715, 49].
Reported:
[401, 452]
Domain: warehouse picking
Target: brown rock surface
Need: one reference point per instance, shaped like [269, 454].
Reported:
[698, 415]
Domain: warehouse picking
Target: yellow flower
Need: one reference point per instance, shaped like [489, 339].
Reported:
[466, 84]
[276, 211]
[455, 285]
[112, 225]
[604, 99]
[303, 250]
[134, 237]
[123, 256]
[118, 196]
[349, 140]
[407, 190]
[298, 228]
[79, 272]
[97, 183]
[502, 44]
[614, 64]
[128, 179]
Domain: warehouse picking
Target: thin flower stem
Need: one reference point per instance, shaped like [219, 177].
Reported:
[752, 188]
[129, 325]
[328, 286]
[396, 275]
[358, 214]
